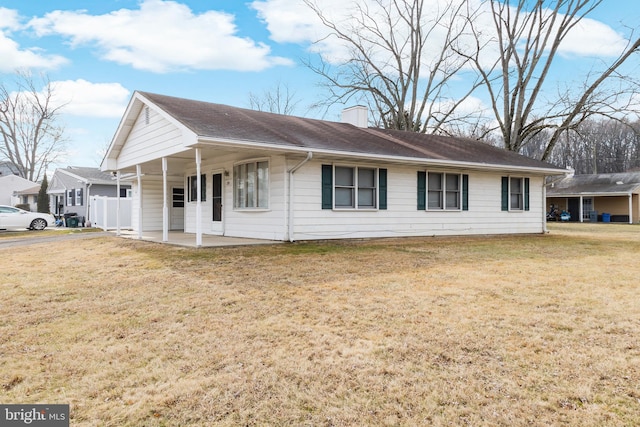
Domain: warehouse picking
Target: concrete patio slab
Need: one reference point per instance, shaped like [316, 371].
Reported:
[180, 238]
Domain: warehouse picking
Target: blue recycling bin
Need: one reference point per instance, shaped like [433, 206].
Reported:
[606, 217]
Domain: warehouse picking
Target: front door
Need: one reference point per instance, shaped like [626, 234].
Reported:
[177, 209]
[217, 204]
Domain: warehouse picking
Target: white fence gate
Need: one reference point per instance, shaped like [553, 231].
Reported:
[104, 211]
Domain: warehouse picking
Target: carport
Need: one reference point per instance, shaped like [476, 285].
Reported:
[613, 196]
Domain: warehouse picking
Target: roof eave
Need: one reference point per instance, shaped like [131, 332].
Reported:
[591, 194]
[225, 142]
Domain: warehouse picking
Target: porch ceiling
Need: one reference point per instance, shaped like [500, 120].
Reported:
[177, 163]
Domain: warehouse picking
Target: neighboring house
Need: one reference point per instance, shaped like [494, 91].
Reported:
[27, 196]
[70, 189]
[9, 184]
[589, 197]
[8, 168]
[213, 169]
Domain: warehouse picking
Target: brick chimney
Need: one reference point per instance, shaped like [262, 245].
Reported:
[356, 115]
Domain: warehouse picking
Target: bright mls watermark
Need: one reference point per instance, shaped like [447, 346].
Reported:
[34, 415]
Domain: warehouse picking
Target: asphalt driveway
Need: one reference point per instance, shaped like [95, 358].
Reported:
[9, 242]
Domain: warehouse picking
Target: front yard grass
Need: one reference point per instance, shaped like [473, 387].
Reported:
[47, 232]
[507, 330]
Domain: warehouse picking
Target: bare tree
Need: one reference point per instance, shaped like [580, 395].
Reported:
[279, 99]
[32, 137]
[401, 60]
[597, 146]
[528, 35]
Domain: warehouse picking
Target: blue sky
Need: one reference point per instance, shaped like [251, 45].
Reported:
[99, 52]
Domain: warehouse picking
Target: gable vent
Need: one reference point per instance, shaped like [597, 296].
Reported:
[146, 115]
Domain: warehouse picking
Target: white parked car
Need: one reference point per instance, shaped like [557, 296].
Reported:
[15, 218]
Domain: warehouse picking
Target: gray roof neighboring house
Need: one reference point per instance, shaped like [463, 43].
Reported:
[606, 184]
[8, 168]
[89, 175]
[222, 124]
[71, 176]
[28, 191]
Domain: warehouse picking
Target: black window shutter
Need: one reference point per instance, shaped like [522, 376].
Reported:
[465, 192]
[422, 190]
[505, 193]
[382, 184]
[203, 188]
[526, 194]
[327, 187]
[72, 197]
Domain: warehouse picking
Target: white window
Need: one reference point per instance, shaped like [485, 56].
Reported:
[78, 196]
[443, 191]
[192, 185]
[516, 194]
[251, 185]
[355, 187]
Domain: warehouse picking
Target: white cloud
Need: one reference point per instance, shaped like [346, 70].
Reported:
[162, 36]
[9, 19]
[83, 98]
[14, 57]
[593, 38]
[291, 21]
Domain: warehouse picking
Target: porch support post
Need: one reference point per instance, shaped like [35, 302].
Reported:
[117, 204]
[89, 205]
[165, 207]
[139, 176]
[630, 208]
[198, 199]
[544, 209]
[581, 207]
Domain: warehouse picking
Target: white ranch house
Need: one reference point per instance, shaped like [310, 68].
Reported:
[211, 169]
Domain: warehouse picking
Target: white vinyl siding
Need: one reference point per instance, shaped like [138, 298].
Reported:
[401, 218]
[150, 141]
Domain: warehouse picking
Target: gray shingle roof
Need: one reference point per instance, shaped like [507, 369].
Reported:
[93, 175]
[216, 121]
[608, 183]
[8, 168]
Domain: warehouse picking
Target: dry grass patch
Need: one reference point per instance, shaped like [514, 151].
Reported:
[525, 330]
[47, 232]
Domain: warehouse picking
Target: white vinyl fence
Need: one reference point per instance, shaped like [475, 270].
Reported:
[104, 212]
